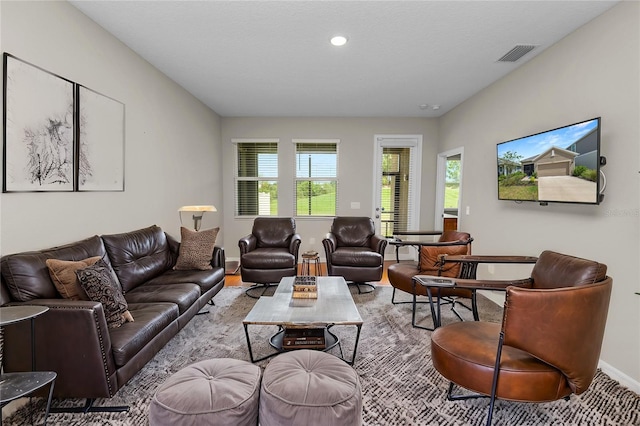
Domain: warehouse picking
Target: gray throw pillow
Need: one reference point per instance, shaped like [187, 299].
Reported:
[97, 281]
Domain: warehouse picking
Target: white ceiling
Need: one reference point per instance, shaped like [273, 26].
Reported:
[273, 58]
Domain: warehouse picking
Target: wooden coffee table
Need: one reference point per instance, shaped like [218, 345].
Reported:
[333, 307]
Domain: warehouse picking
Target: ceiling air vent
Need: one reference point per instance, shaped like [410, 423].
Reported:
[517, 52]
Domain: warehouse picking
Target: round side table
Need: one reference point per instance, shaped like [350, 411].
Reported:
[17, 385]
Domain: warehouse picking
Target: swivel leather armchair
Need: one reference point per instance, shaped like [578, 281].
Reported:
[430, 263]
[269, 253]
[548, 344]
[354, 251]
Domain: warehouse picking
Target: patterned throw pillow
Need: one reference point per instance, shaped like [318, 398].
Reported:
[196, 249]
[430, 260]
[63, 275]
[97, 281]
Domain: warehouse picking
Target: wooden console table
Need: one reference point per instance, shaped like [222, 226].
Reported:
[469, 263]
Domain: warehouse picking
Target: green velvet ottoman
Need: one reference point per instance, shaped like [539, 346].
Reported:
[306, 387]
[219, 391]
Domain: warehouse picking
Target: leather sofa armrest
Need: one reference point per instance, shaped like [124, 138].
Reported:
[73, 340]
[492, 284]
[247, 244]
[294, 245]
[219, 258]
[174, 248]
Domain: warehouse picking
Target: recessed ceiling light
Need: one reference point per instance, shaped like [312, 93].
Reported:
[424, 106]
[339, 40]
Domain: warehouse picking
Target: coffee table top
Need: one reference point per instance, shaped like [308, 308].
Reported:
[334, 305]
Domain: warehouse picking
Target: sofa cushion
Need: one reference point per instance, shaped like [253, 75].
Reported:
[205, 279]
[184, 295]
[353, 231]
[63, 275]
[273, 232]
[268, 258]
[27, 276]
[356, 256]
[196, 249]
[151, 320]
[138, 256]
[97, 281]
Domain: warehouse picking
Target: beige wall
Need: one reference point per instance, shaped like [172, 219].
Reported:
[172, 141]
[174, 146]
[592, 72]
[355, 167]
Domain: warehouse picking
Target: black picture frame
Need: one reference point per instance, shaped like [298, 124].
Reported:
[39, 140]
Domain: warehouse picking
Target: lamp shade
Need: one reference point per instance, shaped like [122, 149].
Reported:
[198, 212]
[198, 209]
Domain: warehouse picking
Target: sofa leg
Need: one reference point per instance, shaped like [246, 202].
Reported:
[89, 408]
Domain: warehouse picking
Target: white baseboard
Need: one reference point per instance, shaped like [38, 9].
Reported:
[619, 376]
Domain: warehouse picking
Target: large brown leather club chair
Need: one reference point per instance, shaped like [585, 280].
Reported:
[430, 263]
[354, 251]
[548, 344]
[269, 253]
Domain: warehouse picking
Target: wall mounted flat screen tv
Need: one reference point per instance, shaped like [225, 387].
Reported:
[560, 165]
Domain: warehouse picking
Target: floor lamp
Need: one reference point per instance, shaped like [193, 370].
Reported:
[198, 212]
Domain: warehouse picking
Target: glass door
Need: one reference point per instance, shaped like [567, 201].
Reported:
[396, 199]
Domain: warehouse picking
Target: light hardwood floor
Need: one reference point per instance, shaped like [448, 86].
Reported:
[236, 280]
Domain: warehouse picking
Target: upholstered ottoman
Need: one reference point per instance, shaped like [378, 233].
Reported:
[306, 387]
[220, 391]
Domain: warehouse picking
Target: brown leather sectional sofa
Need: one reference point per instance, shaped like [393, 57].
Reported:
[72, 337]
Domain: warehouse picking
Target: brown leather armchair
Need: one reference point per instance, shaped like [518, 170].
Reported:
[269, 253]
[548, 344]
[354, 251]
[430, 263]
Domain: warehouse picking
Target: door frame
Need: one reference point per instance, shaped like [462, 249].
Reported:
[441, 177]
[400, 141]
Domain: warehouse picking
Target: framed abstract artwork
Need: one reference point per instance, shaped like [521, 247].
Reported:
[39, 143]
[100, 141]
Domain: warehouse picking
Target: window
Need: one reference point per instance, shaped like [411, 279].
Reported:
[395, 202]
[316, 177]
[256, 177]
[452, 185]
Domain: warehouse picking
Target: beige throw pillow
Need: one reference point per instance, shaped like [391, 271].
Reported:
[196, 249]
[63, 275]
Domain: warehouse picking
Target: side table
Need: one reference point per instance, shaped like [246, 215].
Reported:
[429, 282]
[469, 263]
[307, 258]
[19, 384]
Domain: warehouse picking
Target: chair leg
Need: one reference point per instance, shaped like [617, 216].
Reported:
[494, 384]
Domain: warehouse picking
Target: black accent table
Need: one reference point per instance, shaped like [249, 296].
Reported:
[20, 384]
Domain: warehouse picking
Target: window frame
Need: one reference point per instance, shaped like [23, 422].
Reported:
[237, 178]
[296, 179]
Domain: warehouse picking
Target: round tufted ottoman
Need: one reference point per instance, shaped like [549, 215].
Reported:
[219, 391]
[306, 387]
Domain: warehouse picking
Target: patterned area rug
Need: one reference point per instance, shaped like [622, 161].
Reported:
[400, 386]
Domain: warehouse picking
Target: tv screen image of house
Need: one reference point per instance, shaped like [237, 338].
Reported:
[559, 165]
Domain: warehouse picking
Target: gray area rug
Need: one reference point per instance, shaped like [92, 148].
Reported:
[400, 386]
